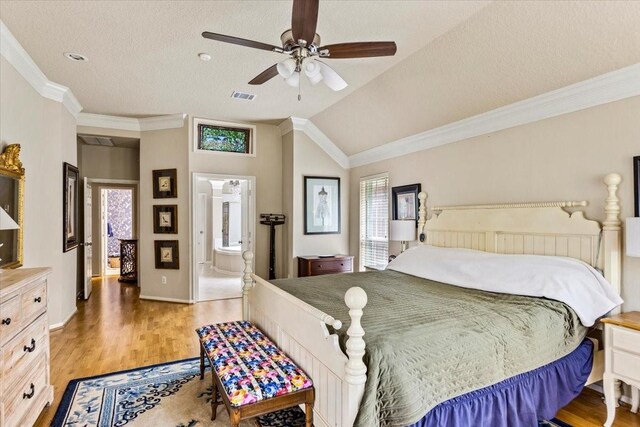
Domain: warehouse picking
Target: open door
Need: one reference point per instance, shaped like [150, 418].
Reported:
[201, 227]
[88, 249]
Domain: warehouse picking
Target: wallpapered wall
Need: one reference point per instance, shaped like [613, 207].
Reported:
[119, 218]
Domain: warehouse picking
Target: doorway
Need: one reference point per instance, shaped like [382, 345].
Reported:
[117, 222]
[223, 228]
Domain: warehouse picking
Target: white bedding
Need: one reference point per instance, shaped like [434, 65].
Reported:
[568, 280]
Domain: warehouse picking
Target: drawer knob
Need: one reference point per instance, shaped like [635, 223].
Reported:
[32, 347]
[6, 321]
[31, 392]
[39, 299]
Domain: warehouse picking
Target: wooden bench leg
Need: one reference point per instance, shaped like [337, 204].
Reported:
[201, 362]
[234, 417]
[308, 408]
[214, 397]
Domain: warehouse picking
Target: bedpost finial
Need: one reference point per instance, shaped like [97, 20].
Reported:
[355, 298]
[247, 255]
[356, 370]
[612, 206]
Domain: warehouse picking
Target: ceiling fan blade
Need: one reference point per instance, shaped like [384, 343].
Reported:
[265, 76]
[239, 41]
[359, 50]
[304, 20]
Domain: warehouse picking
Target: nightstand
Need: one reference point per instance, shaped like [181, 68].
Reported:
[621, 359]
[317, 265]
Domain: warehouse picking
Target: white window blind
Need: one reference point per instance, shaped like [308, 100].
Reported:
[374, 221]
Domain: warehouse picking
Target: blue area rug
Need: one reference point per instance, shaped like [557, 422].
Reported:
[168, 394]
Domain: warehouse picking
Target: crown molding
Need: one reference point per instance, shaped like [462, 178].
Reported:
[18, 57]
[614, 86]
[317, 136]
[171, 121]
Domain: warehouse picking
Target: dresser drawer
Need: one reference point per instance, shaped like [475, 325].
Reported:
[21, 353]
[625, 364]
[18, 400]
[34, 299]
[10, 318]
[331, 266]
[626, 339]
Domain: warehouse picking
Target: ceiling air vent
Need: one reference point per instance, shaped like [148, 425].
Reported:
[243, 95]
[97, 140]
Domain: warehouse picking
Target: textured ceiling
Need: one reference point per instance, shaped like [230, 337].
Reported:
[507, 52]
[143, 55]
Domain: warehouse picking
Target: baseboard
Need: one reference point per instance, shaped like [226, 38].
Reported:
[597, 387]
[227, 272]
[62, 324]
[163, 299]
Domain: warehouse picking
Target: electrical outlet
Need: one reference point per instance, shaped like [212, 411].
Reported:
[164, 280]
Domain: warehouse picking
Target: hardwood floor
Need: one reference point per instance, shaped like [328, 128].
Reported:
[114, 330]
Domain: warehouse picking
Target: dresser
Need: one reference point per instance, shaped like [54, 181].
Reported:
[316, 265]
[621, 359]
[25, 387]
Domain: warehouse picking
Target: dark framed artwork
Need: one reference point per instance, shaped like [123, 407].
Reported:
[321, 205]
[636, 183]
[70, 182]
[404, 202]
[165, 219]
[166, 254]
[165, 184]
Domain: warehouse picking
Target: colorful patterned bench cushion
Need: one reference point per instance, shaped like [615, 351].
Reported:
[251, 368]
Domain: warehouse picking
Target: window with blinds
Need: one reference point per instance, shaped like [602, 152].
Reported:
[374, 222]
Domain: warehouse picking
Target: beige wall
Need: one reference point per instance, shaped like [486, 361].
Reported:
[266, 166]
[109, 162]
[308, 159]
[560, 158]
[290, 267]
[47, 134]
[164, 149]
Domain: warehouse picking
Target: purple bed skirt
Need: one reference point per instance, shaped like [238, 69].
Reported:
[518, 401]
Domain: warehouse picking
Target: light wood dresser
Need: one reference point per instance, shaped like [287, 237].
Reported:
[621, 359]
[25, 387]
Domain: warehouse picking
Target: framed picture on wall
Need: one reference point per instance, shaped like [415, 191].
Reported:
[404, 202]
[636, 183]
[165, 184]
[71, 177]
[165, 219]
[166, 254]
[321, 205]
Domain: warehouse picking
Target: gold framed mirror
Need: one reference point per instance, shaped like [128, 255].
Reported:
[11, 207]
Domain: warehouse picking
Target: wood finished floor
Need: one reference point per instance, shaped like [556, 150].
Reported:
[115, 330]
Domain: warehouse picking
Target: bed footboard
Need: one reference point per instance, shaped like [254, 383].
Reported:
[301, 331]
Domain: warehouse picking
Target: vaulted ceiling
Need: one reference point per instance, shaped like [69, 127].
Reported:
[455, 59]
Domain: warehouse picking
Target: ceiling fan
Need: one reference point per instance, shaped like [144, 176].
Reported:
[302, 44]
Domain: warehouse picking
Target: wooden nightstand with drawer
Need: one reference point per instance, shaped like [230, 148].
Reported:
[621, 359]
[316, 265]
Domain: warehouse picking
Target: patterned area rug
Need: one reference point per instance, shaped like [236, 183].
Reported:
[165, 395]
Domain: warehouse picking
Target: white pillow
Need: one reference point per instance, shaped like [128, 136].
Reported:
[568, 280]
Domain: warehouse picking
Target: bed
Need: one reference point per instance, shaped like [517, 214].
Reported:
[313, 334]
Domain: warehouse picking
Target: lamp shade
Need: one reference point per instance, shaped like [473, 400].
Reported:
[6, 222]
[286, 67]
[402, 230]
[632, 236]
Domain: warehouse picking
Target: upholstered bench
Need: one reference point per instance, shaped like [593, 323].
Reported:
[252, 375]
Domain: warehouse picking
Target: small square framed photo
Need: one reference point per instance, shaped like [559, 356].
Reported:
[166, 254]
[165, 219]
[404, 201]
[165, 184]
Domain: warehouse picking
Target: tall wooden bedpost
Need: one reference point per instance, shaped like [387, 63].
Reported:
[611, 229]
[355, 369]
[247, 282]
[422, 216]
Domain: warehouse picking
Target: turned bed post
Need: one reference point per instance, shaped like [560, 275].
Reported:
[247, 283]
[355, 369]
[611, 229]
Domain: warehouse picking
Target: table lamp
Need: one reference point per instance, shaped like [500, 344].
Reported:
[6, 223]
[632, 236]
[402, 230]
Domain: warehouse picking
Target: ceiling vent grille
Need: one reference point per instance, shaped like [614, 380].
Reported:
[243, 96]
[97, 140]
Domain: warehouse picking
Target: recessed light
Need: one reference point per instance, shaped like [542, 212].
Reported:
[78, 57]
[204, 56]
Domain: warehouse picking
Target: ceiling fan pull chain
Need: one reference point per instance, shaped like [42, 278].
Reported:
[299, 90]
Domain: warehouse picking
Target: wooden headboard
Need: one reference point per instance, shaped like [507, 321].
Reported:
[540, 228]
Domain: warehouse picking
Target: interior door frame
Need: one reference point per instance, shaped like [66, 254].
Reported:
[101, 183]
[195, 177]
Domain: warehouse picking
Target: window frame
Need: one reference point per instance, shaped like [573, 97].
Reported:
[197, 122]
[362, 265]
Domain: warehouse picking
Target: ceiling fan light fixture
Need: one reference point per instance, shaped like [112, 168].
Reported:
[312, 70]
[293, 79]
[286, 67]
[331, 78]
